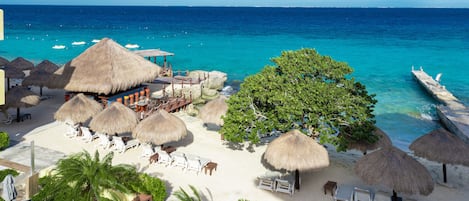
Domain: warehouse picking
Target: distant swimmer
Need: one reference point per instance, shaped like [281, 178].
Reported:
[78, 43]
[58, 47]
[132, 46]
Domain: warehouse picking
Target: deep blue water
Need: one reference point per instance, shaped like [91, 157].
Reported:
[380, 44]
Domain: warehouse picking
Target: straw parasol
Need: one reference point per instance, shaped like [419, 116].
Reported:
[117, 118]
[212, 112]
[37, 78]
[13, 73]
[442, 146]
[104, 68]
[47, 66]
[3, 61]
[78, 109]
[364, 146]
[296, 151]
[20, 63]
[20, 97]
[159, 128]
[395, 169]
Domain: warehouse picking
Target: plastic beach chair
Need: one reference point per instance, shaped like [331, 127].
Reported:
[343, 193]
[284, 186]
[361, 194]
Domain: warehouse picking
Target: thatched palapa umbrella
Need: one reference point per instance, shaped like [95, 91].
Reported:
[20, 63]
[117, 118]
[13, 73]
[212, 112]
[47, 66]
[78, 109]
[104, 68]
[294, 151]
[159, 128]
[442, 146]
[382, 142]
[20, 97]
[37, 78]
[395, 169]
[3, 61]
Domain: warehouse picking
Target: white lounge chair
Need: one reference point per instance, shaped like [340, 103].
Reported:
[72, 131]
[179, 159]
[147, 151]
[193, 163]
[164, 158]
[87, 135]
[284, 186]
[360, 194]
[266, 183]
[343, 193]
[121, 147]
[103, 141]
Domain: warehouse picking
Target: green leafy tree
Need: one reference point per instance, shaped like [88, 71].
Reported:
[4, 140]
[83, 177]
[305, 91]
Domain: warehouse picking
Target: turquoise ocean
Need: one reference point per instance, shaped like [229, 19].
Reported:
[380, 44]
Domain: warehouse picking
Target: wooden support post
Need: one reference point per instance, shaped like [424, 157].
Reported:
[32, 186]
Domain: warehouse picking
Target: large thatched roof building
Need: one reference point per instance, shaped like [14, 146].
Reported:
[104, 68]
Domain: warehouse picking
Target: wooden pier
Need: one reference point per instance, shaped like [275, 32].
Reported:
[452, 113]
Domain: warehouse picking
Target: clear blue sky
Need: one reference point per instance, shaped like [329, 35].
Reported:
[274, 3]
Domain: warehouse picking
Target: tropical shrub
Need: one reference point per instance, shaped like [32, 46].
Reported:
[5, 172]
[150, 185]
[182, 195]
[4, 140]
[83, 177]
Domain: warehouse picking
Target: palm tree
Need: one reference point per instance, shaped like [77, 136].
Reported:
[89, 177]
[182, 195]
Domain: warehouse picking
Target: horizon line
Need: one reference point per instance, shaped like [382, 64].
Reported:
[231, 6]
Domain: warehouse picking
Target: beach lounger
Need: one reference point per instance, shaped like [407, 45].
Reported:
[72, 131]
[121, 147]
[193, 163]
[103, 141]
[147, 151]
[179, 160]
[87, 135]
[382, 196]
[164, 158]
[266, 183]
[343, 193]
[284, 186]
[360, 194]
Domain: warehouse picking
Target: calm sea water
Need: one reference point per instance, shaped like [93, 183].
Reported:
[380, 44]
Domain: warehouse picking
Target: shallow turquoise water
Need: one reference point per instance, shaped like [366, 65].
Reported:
[381, 45]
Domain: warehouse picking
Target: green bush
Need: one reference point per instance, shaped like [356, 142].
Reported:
[5, 172]
[4, 140]
[150, 185]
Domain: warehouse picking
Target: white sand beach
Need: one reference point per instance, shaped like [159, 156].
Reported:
[238, 169]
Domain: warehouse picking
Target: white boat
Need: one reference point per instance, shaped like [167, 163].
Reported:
[58, 47]
[95, 41]
[78, 43]
[132, 46]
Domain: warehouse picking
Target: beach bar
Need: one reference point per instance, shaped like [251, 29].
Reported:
[453, 114]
